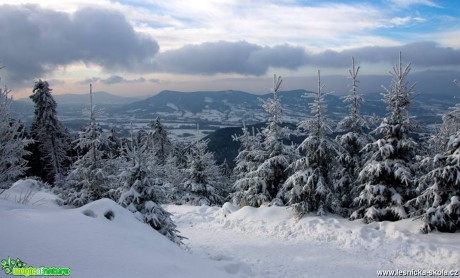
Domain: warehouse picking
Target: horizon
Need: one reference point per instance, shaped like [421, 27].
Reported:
[139, 48]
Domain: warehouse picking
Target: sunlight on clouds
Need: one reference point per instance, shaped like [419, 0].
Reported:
[448, 38]
[315, 26]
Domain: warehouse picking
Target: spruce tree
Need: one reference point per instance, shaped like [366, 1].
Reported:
[91, 175]
[386, 181]
[141, 193]
[173, 176]
[13, 144]
[310, 187]
[249, 187]
[270, 159]
[203, 182]
[161, 144]
[439, 199]
[351, 142]
[52, 141]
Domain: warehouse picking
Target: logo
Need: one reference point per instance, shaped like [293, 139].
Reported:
[18, 268]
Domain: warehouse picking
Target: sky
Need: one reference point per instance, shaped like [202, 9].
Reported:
[140, 47]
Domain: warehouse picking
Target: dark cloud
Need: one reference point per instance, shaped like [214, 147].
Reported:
[229, 57]
[35, 41]
[423, 54]
[250, 59]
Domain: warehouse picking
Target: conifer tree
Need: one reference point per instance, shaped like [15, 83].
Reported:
[203, 181]
[174, 176]
[161, 144]
[114, 144]
[279, 156]
[350, 158]
[262, 185]
[52, 141]
[310, 187]
[387, 180]
[439, 199]
[13, 144]
[91, 175]
[248, 187]
[141, 193]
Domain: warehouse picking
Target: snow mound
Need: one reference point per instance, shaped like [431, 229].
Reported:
[23, 186]
[29, 192]
[100, 239]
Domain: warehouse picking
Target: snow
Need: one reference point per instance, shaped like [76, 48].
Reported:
[91, 244]
[270, 242]
[102, 239]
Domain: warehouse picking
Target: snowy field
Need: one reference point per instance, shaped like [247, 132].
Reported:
[102, 239]
[269, 242]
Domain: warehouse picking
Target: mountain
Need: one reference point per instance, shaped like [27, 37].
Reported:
[216, 109]
[219, 107]
[99, 98]
[204, 105]
[232, 107]
[72, 104]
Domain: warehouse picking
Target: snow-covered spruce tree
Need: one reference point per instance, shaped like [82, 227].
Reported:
[261, 185]
[141, 193]
[386, 181]
[114, 143]
[203, 180]
[13, 144]
[350, 158]
[248, 187]
[52, 141]
[278, 156]
[310, 187]
[161, 144]
[173, 176]
[91, 175]
[439, 199]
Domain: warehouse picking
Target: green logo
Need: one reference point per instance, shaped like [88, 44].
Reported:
[18, 268]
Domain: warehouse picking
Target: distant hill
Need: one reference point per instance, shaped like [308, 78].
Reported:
[227, 108]
[232, 107]
[72, 104]
[102, 98]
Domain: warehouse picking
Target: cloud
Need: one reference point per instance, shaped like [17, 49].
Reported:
[36, 41]
[421, 54]
[115, 79]
[89, 81]
[229, 57]
[408, 3]
[251, 59]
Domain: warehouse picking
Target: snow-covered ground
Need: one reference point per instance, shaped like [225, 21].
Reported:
[222, 242]
[91, 245]
[270, 242]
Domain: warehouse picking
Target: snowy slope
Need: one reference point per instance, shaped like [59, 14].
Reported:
[42, 234]
[223, 242]
[269, 242]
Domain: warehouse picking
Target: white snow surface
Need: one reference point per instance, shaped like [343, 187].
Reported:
[270, 242]
[222, 242]
[90, 244]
